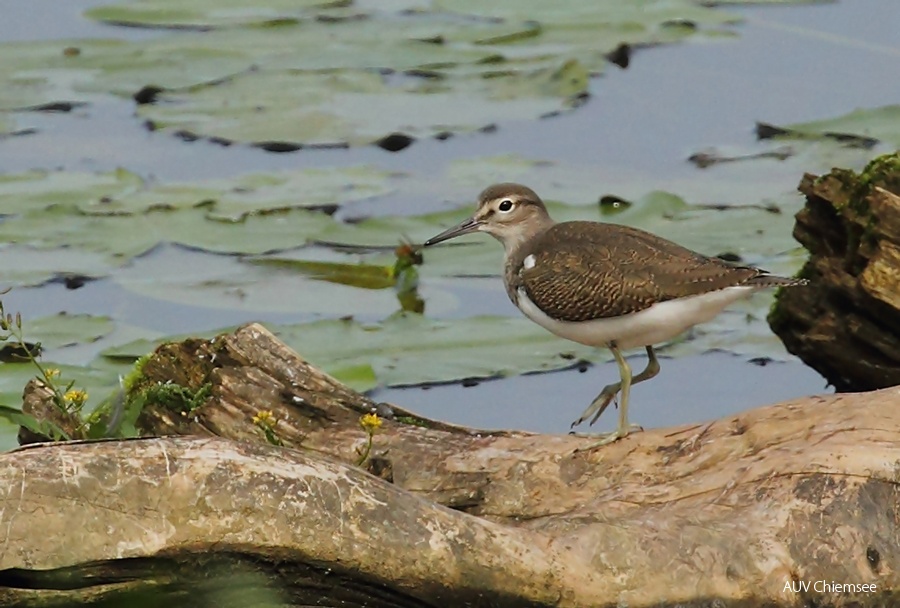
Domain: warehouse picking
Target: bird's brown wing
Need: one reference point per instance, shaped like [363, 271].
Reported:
[586, 270]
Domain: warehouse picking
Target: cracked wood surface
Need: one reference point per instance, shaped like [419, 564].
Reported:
[729, 511]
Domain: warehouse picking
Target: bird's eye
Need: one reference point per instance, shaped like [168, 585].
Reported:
[505, 205]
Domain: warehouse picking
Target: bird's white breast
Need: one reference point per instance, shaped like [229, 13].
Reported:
[658, 323]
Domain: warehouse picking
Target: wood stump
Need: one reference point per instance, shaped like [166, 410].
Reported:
[846, 323]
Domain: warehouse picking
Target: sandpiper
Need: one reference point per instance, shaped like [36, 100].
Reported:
[605, 284]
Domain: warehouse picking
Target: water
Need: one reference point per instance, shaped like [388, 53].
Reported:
[688, 389]
[788, 64]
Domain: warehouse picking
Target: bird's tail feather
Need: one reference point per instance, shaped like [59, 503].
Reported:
[771, 280]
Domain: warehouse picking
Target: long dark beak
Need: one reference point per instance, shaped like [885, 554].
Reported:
[465, 227]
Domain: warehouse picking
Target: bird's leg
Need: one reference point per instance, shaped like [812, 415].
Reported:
[602, 401]
[625, 386]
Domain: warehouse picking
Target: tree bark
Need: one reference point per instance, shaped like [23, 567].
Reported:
[727, 513]
[846, 323]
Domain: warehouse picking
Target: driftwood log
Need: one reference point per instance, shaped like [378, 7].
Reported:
[846, 324]
[756, 509]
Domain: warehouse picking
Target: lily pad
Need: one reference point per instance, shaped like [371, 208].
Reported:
[411, 349]
[119, 216]
[603, 17]
[319, 72]
[360, 107]
[585, 184]
[25, 266]
[861, 128]
[177, 14]
[364, 276]
[219, 282]
[123, 237]
[36, 73]
[609, 14]
[121, 192]
[62, 330]
[36, 190]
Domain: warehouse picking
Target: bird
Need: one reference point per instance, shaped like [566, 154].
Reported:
[605, 285]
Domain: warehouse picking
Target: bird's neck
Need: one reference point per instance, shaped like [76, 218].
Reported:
[517, 237]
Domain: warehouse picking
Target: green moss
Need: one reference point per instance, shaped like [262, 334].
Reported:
[176, 397]
[133, 378]
[855, 188]
[883, 171]
[849, 181]
[412, 420]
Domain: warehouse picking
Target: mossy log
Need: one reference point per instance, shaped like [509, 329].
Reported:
[846, 323]
[727, 513]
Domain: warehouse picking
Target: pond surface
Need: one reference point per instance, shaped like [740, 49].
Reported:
[786, 64]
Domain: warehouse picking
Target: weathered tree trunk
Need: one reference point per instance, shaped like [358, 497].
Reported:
[846, 324]
[728, 513]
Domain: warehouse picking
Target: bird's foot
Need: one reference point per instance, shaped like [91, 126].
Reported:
[607, 438]
[599, 404]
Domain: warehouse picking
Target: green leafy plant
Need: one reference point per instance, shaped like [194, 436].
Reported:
[115, 416]
[69, 400]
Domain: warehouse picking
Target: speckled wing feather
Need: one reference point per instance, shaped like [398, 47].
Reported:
[589, 270]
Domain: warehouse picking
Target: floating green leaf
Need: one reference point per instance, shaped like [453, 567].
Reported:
[220, 282]
[864, 127]
[121, 192]
[178, 14]
[320, 72]
[61, 330]
[35, 73]
[26, 266]
[104, 220]
[365, 276]
[360, 107]
[411, 349]
[37, 190]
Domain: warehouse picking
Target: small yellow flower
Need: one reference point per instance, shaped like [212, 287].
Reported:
[370, 423]
[52, 373]
[265, 419]
[76, 397]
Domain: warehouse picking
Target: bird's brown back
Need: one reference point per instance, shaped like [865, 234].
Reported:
[592, 270]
